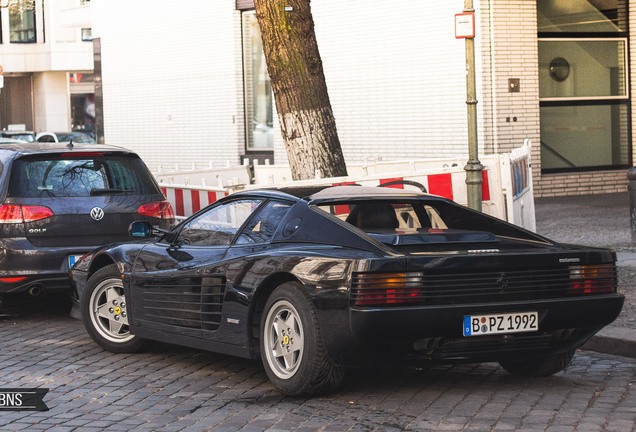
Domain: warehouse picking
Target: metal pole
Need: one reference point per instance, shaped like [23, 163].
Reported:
[473, 167]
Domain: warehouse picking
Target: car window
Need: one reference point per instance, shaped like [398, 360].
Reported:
[218, 225]
[430, 216]
[76, 137]
[380, 215]
[80, 177]
[262, 227]
[46, 138]
[18, 136]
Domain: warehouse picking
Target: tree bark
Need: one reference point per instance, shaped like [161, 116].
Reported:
[300, 91]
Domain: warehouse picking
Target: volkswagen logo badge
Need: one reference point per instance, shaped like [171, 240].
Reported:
[97, 213]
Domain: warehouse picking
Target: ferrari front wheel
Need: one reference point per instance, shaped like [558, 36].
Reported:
[292, 349]
[105, 312]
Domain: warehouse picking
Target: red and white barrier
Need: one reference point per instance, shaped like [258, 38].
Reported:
[214, 177]
[506, 184]
[187, 200]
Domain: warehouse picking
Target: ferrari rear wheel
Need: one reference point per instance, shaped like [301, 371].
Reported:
[292, 349]
[538, 366]
[105, 312]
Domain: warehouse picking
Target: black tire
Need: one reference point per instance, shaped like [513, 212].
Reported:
[106, 319]
[292, 349]
[538, 366]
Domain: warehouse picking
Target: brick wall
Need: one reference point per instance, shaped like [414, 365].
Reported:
[583, 183]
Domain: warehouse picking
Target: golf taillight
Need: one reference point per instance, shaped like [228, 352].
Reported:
[386, 289]
[158, 209]
[12, 279]
[16, 213]
[593, 279]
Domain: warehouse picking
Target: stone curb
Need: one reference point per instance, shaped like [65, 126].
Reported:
[618, 341]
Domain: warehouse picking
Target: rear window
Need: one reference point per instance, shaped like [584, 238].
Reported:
[80, 177]
[420, 217]
[381, 216]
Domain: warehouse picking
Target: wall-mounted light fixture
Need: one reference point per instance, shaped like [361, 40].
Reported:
[559, 69]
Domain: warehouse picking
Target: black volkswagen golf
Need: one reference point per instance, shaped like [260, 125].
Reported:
[59, 201]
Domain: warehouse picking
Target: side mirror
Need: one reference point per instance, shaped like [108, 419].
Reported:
[140, 229]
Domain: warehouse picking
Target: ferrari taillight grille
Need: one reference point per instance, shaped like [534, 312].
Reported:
[445, 288]
[593, 279]
[372, 289]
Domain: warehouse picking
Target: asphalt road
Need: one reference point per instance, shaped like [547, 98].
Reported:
[168, 388]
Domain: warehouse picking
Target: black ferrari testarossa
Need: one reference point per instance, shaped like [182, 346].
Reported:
[315, 280]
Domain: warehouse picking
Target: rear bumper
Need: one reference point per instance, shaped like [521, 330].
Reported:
[404, 324]
[389, 335]
[41, 268]
[38, 284]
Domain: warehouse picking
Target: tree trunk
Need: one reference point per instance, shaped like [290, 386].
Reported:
[298, 83]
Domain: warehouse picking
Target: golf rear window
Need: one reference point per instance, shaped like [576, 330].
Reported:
[80, 177]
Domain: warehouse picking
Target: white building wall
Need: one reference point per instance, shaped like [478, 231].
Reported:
[172, 81]
[51, 104]
[395, 72]
[58, 50]
[59, 46]
[396, 77]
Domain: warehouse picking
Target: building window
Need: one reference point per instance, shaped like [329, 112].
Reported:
[87, 34]
[22, 21]
[258, 88]
[583, 85]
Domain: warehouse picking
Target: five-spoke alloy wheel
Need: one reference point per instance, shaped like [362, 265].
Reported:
[283, 339]
[292, 348]
[105, 313]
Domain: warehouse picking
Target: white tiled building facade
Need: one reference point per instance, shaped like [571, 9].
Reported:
[46, 55]
[174, 82]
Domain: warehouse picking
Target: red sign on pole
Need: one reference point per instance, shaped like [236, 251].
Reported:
[465, 25]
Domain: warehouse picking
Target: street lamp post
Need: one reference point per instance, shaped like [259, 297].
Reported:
[473, 167]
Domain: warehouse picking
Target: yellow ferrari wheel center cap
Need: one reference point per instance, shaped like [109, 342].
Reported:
[117, 310]
[285, 340]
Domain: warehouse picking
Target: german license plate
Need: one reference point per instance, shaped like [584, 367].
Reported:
[72, 259]
[481, 325]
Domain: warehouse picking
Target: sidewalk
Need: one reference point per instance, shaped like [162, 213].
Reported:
[599, 220]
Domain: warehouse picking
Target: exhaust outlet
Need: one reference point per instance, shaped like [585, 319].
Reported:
[36, 291]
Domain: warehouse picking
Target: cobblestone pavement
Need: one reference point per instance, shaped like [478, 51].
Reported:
[169, 388]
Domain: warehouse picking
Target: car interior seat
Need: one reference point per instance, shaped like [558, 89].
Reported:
[373, 216]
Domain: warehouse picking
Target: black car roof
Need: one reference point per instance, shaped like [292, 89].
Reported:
[56, 148]
[328, 192]
[363, 192]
